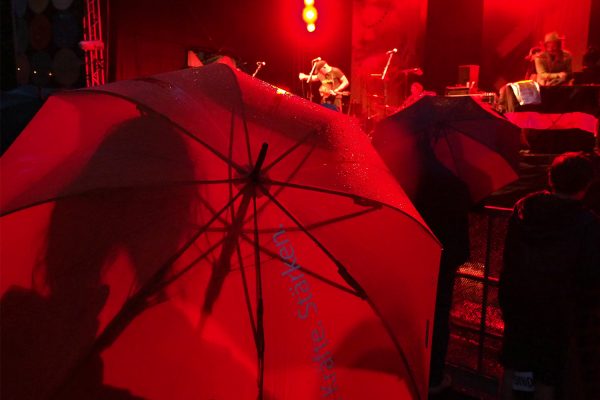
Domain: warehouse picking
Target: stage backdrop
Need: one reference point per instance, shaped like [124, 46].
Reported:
[512, 27]
[152, 37]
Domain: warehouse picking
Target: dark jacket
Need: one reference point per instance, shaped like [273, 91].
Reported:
[550, 283]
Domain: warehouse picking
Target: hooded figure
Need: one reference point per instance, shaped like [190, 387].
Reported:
[549, 286]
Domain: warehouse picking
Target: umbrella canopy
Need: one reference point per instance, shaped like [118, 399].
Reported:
[202, 234]
[468, 138]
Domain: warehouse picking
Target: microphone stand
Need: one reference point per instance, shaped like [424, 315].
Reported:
[385, 70]
[310, 75]
[258, 67]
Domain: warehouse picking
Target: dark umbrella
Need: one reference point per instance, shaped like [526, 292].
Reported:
[467, 136]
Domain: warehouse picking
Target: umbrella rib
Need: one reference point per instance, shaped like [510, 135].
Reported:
[246, 133]
[247, 293]
[290, 151]
[191, 265]
[343, 272]
[291, 176]
[453, 155]
[360, 199]
[184, 130]
[341, 268]
[260, 348]
[509, 162]
[238, 250]
[304, 269]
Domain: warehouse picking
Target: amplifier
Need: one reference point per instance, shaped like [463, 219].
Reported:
[468, 75]
[457, 90]
[486, 97]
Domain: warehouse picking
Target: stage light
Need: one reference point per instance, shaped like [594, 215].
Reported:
[309, 2]
[310, 27]
[309, 14]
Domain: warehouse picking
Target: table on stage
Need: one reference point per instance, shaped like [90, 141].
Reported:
[566, 114]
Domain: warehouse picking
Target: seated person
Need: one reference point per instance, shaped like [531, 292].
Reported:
[417, 91]
[553, 66]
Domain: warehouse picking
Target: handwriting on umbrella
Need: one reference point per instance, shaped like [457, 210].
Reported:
[301, 291]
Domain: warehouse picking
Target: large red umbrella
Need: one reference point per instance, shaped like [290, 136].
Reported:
[201, 234]
[470, 139]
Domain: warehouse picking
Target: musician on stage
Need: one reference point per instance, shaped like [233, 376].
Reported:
[333, 82]
[417, 92]
[554, 65]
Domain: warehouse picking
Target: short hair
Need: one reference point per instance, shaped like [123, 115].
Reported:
[571, 173]
[320, 64]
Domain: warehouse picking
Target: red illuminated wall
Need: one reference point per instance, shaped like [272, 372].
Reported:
[378, 26]
[152, 37]
[512, 27]
[453, 38]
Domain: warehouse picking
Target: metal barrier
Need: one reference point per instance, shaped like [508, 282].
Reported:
[476, 323]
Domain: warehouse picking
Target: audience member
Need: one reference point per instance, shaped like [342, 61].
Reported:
[549, 286]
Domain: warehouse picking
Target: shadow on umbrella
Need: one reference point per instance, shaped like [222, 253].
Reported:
[144, 225]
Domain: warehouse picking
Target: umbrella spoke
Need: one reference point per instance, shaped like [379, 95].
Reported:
[290, 151]
[289, 178]
[229, 168]
[483, 143]
[247, 136]
[191, 265]
[260, 333]
[246, 292]
[323, 190]
[313, 274]
[341, 268]
[357, 199]
[341, 218]
[223, 266]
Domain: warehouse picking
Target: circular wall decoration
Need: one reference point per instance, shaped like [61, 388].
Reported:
[66, 29]
[62, 4]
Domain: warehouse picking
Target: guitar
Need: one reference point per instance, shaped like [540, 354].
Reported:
[325, 92]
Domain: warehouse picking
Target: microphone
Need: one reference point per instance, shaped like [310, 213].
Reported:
[394, 50]
[316, 59]
[261, 63]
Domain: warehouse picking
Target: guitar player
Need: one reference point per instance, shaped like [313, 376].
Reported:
[333, 82]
